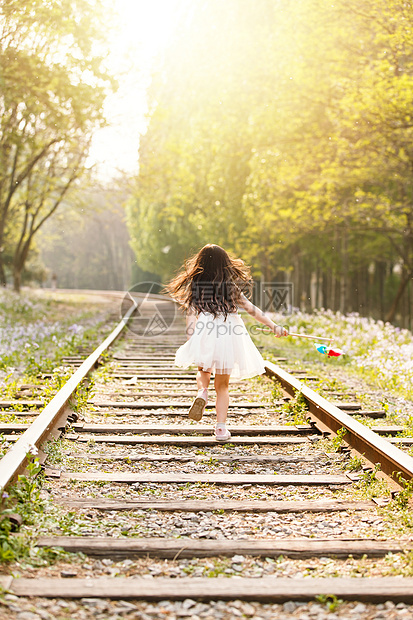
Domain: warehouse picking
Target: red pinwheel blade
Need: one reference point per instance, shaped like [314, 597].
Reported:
[334, 352]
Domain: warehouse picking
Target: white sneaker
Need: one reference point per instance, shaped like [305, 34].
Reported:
[222, 434]
[198, 406]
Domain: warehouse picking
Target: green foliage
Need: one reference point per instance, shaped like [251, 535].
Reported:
[25, 494]
[23, 498]
[354, 464]
[301, 166]
[403, 498]
[407, 426]
[53, 86]
[401, 566]
[9, 386]
[55, 383]
[94, 252]
[69, 524]
[11, 547]
[33, 347]
[82, 394]
[369, 476]
[53, 451]
[36, 366]
[330, 601]
[218, 569]
[337, 441]
[370, 485]
[297, 408]
[276, 392]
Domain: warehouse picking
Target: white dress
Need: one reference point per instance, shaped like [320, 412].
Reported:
[221, 346]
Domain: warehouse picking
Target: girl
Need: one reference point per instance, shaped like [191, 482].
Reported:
[210, 288]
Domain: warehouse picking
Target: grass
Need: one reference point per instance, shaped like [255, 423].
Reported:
[37, 331]
[296, 410]
[29, 346]
[24, 499]
[378, 352]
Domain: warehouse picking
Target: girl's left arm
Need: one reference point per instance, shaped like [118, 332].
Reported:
[259, 315]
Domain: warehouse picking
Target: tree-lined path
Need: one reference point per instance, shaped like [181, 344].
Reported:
[283, 131]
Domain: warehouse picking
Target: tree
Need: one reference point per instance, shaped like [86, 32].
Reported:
[86, 245]
[52, 88]
[194, 160]
[367, 172]
[285, 135]
[41, 193]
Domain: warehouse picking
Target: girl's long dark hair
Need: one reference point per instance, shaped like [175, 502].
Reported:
[211, 281]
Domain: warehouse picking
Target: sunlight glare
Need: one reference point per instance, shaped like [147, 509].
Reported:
[142, 30]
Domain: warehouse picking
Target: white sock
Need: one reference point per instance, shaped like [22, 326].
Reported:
[220, 427]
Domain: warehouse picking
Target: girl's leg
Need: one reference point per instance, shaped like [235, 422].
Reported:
[202, 379]
[198, 406]
[222, 402]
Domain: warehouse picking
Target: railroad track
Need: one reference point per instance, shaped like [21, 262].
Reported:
[173, 511]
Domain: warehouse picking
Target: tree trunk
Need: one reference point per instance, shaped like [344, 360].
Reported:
[335, 292]
[17, 278]
[354, 297]
[381, 275]
[406, 277]
[343, 274]
[367, 292]
[405, 307]
[317, 285]
[19, 262]
[3, 281]
[308, 300]
[324, 290]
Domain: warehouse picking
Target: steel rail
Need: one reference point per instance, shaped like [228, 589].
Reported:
[54, 415]
[366, 442]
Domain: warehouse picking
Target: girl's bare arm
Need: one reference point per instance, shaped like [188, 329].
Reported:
[259, 315]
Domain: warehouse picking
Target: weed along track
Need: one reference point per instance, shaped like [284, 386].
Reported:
[284, 520]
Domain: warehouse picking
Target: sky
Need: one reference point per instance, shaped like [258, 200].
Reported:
[142, 29]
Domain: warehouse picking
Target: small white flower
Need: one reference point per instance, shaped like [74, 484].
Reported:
[75, 329]
[31, 449]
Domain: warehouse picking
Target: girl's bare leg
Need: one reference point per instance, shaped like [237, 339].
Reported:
[202, 379]
[222, 402]
[198, 406]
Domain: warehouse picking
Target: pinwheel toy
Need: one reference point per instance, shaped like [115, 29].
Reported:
[322, 348]
[325, 349]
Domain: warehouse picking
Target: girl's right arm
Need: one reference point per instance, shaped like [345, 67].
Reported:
[261, 317]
